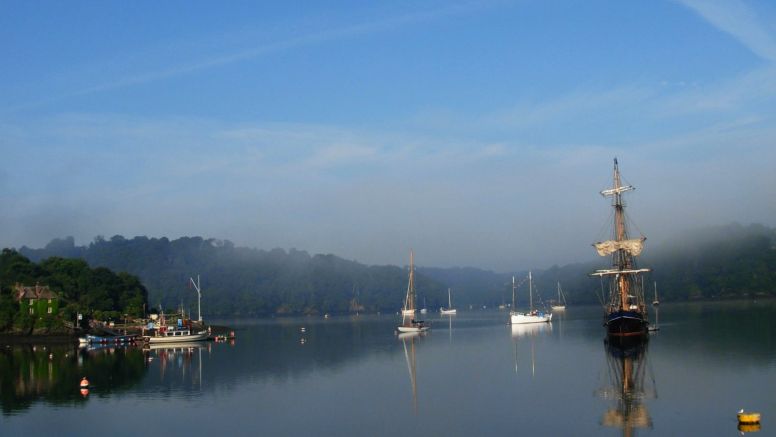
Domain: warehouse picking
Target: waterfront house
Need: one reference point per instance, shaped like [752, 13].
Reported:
[37, 300]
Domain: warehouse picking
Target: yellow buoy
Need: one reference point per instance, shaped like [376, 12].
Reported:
[748, 417]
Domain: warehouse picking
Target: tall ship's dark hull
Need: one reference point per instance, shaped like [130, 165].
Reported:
[626, 324]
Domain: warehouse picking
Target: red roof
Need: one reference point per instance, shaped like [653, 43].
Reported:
[33, 292]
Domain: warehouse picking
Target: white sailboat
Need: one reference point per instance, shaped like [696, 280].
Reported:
[532, 316]
[561, 305]
[408, 323]
[449, 310]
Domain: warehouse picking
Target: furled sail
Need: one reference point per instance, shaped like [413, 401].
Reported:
[633, 247]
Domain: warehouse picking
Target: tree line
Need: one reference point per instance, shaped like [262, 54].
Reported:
[713, 263]
[95, 292]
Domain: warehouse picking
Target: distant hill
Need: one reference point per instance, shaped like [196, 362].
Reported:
[712, 263]
[238, 281]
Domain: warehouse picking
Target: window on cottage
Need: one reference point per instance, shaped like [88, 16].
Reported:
[49, 310]
[32, 310]
[32, 301]
[49, 300]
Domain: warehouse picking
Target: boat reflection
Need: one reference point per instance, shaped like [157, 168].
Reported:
[408, 340]
[627, 387]
[532, 331]
[51, 373]
[178, 359]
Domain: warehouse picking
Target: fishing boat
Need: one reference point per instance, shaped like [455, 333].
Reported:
[160, 332]
[561, 304]
[533, 315]
[449, 310]
[408, 323]
[625, 312]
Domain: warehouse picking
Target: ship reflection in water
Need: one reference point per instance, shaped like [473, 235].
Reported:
[628, 387]
[528, 331]
[408, 340]
[181, 362]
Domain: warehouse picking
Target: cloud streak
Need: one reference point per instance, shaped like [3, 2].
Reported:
[735, 18]
[306, 40]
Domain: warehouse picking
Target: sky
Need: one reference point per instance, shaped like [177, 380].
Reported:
[475, 133]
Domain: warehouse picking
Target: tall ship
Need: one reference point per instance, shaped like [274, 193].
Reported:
[625, 312]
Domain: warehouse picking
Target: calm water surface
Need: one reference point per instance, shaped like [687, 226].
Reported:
[470, 375]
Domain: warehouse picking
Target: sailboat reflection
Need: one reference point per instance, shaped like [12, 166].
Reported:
[408, 340]
[531, 331]
[627, 388]
[180, 355]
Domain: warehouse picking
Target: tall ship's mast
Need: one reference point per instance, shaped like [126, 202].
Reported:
[626, 312]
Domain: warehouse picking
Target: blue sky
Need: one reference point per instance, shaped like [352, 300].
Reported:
[477, 133]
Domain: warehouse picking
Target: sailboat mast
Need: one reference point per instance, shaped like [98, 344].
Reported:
[621, 258]
[411, 285]
[530, 291]
[449, 300]
[513, 293]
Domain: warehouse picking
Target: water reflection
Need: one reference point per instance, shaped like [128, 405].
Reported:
[408, 340]
[627, 387]
[182, 361]
[531, 331]
[52, 373]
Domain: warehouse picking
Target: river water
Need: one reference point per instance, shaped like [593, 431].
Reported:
[472, 374]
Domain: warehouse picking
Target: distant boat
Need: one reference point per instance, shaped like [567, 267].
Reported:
[449, 309]
[409, 324]
[655, 303]
[625, 314]
[561, 300]
[107, 339]
[533, 315]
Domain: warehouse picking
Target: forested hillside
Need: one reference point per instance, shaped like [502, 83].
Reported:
[722, 262]
[241, 281]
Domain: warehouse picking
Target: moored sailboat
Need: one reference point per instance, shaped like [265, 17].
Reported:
[625, 313]
[409, 324]
[533, 315]
[561, 304]
[449, 310]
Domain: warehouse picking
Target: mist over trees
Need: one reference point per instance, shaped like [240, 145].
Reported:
[713, 263]
[238, 281]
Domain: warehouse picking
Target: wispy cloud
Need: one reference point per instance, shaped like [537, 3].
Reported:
[262, 49]
[741, 22]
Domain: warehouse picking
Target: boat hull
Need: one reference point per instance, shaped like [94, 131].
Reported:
[623, 324]
[177, 338]
[558, 307]
[412, 328]
[448, 312]
[520, 319]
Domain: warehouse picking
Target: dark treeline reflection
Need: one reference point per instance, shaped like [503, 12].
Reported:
[52, 373]
[726, 323]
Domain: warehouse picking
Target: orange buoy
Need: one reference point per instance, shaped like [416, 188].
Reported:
[84, 382]
[84, 392]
